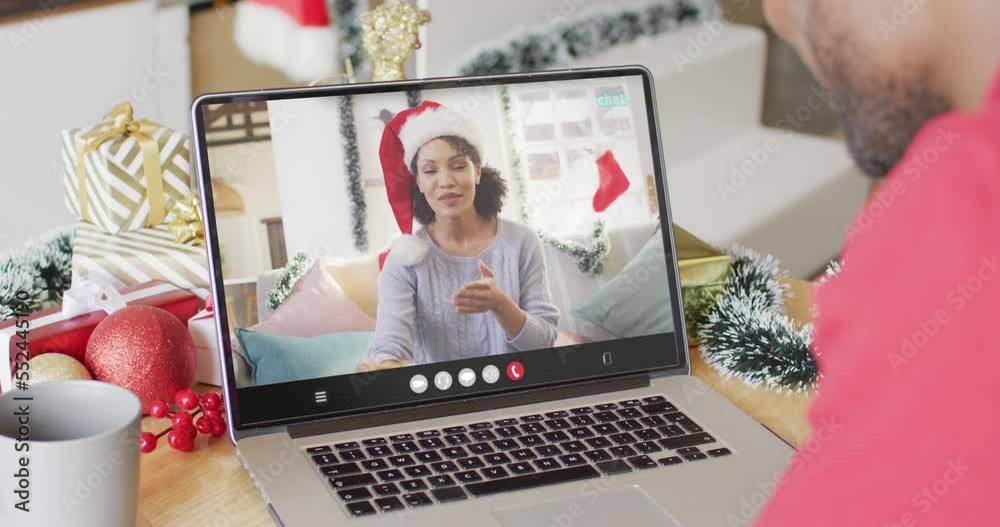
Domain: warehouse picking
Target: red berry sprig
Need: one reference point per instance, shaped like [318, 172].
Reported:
[184, 428]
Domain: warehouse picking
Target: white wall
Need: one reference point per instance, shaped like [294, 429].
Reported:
[249, 169]
[308, 163]
[65, 70]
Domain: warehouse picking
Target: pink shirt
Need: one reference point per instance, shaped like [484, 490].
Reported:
[907, 423]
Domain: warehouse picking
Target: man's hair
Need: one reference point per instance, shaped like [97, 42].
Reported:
[490, 191]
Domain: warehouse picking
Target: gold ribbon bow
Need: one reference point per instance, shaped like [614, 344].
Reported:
[123, 123]
[186, 225]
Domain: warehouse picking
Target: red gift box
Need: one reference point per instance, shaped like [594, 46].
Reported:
[50, 331]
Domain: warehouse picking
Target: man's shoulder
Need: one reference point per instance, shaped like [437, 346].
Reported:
[968, 139]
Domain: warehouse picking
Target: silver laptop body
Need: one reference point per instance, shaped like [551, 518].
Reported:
[342, 450]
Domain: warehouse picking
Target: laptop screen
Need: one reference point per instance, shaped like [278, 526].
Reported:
[378, 246]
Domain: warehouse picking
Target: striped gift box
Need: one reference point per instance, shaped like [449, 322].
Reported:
[139, 256]
[115, 186]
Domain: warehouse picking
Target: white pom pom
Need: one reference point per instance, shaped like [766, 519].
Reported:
[409, 249]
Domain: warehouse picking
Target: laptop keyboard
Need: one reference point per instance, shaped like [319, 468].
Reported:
[386, 474]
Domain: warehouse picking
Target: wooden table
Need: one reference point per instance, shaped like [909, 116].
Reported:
[209, 487]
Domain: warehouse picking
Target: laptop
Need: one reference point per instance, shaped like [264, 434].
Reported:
[456, 301]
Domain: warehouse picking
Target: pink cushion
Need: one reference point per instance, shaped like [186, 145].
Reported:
[317, 305]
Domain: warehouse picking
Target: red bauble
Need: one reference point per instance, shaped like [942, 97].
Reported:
[143, 349]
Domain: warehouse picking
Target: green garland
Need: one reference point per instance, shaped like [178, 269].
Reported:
[43, 269]
[507, 110]
[589, 259]
[747, 335]
[584, 36]
[289, 275]
[346, 18]
[413, 98]
[352, 169]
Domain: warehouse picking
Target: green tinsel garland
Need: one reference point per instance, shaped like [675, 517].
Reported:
[352, 169]
[507, 110]
[296, 267]
[345, 16]
[43, 269]
[747, 335]
[584, 36]
[413, 98]
[590, 259]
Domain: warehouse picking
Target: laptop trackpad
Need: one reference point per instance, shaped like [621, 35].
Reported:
[600, 507]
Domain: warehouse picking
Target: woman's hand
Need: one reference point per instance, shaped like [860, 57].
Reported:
[480, 295]
[483, 295]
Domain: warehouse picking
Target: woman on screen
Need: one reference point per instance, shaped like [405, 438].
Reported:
[467, 283]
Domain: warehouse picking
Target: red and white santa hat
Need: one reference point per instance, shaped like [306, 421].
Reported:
[402, 138]
[293, 36]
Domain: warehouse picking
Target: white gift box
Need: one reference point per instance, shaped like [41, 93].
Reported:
[208, 366]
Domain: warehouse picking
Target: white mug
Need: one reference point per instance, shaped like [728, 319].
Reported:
[69, 455]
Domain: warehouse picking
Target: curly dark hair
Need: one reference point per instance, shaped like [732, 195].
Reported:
[490, 191]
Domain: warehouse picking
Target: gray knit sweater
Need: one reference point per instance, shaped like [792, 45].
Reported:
[417, 320]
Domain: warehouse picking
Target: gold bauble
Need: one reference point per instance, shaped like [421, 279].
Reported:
[49, 367]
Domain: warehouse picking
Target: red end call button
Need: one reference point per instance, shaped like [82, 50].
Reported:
[515, 371]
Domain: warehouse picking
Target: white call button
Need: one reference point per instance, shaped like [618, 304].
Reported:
[491, 374]
[466, 377]
[442, 380]
[418, 383]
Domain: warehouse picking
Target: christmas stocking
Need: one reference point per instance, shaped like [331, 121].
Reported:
[612, 182]
[292, 36]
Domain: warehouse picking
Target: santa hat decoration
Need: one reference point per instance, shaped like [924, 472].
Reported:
[612, 182]
[293, 36]
[402, 138]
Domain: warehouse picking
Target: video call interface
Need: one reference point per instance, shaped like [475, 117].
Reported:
[382, 231]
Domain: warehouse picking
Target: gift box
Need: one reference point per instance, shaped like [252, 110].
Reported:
[704, 273]
[135, 257]
[208, 365]
[60, 329]
[125, 174]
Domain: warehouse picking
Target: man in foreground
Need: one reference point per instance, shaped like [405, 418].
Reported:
[907, 337]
